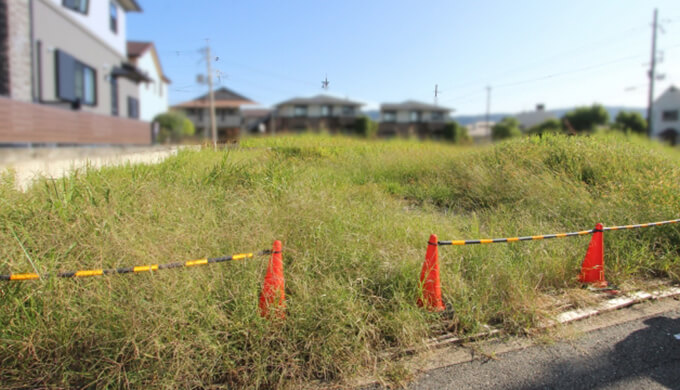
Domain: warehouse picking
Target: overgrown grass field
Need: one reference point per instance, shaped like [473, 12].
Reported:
[354, 217]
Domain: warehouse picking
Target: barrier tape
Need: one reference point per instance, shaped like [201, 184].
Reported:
[556, 235]
[642, 225]
[137, 269]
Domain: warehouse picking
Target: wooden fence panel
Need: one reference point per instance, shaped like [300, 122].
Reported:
[34, 123]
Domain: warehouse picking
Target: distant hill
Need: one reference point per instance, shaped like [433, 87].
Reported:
[558, 112]
[495, 117]
[373, 114]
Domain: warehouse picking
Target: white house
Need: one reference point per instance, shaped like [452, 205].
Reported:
[153, 94]
[666, 118]
[480, 130]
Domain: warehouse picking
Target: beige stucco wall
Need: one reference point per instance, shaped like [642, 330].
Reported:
[97, 22]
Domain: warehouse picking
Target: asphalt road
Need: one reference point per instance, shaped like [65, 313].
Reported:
[640, 354]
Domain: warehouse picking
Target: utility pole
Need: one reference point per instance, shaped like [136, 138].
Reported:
[488, 106]
[436, 94]
[652, 76]
[213, 124]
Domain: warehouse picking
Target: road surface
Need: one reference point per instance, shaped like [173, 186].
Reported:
[643, 353]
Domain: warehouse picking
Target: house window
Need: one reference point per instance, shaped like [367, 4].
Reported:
[347, 110]
[75, 80]
[76, 5]
[389, 116]
[326, 110]
[114, 96]
[133, 107]
[437, 116]
[300, 111]
[200, 114]
[670, 116]
[113, 20]
[415, 116]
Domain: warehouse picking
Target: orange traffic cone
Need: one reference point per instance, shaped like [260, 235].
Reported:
[592, 270]
[273, 289]
[429, 278]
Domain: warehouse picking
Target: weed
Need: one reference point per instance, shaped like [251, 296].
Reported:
[354, 217]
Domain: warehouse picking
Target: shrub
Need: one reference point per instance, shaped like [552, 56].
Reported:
[455, 132]
[173, 127]
[548, 126]
[365, 127]
[586, 119]
[507, 128]
[630, 121]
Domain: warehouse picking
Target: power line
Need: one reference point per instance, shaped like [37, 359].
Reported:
[559, 55]
[558, 74]
[272, 74]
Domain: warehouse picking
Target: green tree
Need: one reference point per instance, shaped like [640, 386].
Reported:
[630, 121]
[586, 119]
[173, 126]
[508, 127]
[551, 125]
[455, 132]
[366, 127]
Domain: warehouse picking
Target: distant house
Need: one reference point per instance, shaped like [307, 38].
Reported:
[227, 113]
[257, 120]
[321, 112]
[480, 131]
[666, 117]
[412, 118]
[529, 119]
[153, 94]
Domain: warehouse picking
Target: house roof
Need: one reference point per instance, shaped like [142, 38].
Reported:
[136, 49]
[130, 5]
[671, 89]
[320, 99]
[131, 72]
[255, 112]
[224, 98]
[413, 105]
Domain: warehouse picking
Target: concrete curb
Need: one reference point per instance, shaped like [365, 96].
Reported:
[561, 319]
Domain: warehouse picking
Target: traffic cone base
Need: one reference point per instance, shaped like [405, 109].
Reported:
[273, 297]
[431, 296]
[592, 269]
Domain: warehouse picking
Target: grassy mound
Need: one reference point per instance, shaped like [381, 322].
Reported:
[354, 217]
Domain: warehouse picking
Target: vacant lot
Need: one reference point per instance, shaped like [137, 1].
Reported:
[354, 217]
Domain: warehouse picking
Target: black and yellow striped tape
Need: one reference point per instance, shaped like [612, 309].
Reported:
[548, 236]
[642, 225]
[137, 269]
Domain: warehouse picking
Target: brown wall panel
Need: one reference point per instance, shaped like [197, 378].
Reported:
[32, 123]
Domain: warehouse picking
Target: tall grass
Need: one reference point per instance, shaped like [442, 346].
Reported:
[354, 217]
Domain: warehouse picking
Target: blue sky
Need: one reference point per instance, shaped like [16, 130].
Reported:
[560, 53]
